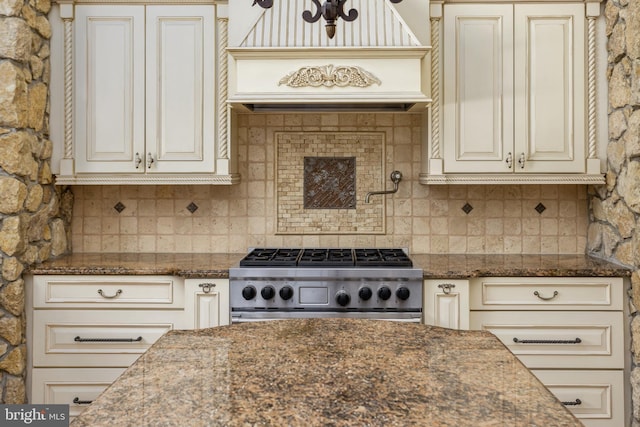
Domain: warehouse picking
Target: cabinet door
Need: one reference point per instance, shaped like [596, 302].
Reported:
[109, 89]
[180, 91]
[206, 303]
[478, 87]
[75, 387]
[594, 397]
[549, 89]
[556, 339]
[446, 303]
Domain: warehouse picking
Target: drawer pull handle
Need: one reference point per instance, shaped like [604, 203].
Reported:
[102, 294]
[446, 287]
[78, 339]
[519, 341]
[206, 287]
[77, 401]
[555, 294]
[574, 403]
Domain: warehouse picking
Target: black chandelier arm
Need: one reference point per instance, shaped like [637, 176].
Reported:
[353, 14]
[307, 16]
[266, 4]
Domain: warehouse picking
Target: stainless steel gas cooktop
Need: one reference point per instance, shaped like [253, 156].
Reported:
[272, 283]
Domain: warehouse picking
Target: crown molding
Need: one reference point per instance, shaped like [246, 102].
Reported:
[595, 179]
[158, 179]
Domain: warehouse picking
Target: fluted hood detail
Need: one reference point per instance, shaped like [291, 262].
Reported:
[279, 62]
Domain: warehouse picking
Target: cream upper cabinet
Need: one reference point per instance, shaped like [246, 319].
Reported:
[146, 102]
[145, 93]
[514, 95]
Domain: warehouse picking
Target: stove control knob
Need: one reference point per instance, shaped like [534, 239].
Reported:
[268, 292]
[403, 293]
[365, 293]
[384, 293]
[343, 298]
[249, 292]
[286, 292]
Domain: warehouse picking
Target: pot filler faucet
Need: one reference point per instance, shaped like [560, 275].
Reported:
[396, 177]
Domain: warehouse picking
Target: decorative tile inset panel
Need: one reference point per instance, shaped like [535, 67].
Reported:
[324, 207]
[192, 207]
[329, 182]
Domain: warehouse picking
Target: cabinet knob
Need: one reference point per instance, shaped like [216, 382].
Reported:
[138, 160]
[521, 160]
[150, 160]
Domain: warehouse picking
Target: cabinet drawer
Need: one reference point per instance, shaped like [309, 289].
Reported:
[107, 291]
[63, 386]
[106, 338]
[595, 397]
[558, 340]
[547, 293]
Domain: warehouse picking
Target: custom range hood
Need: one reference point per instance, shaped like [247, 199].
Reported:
[279, 62]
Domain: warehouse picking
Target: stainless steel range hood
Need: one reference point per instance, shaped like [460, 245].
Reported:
[281, 63]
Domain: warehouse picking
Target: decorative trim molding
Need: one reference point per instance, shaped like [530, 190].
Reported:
[125, 179]
[329, 76]
[591, 92]
[223, 79]
[435, 87]
[512, 179]
[68, 88]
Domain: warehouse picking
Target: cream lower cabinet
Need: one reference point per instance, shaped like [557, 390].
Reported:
[84, 331]
[76, 387]
[568, 331]
[446, 303]
[207, 303]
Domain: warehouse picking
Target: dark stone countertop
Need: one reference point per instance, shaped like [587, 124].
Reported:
[216, 265]
[327, 372]
[213, 265]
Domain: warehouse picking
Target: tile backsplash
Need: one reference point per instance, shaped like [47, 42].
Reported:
[425, 219]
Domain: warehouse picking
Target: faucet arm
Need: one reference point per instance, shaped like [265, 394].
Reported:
[396, 177]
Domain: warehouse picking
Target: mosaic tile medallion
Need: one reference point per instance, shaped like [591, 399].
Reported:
[322, 179]
[329, 183]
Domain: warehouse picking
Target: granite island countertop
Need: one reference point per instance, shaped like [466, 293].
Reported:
[338, 372]
[447, 266]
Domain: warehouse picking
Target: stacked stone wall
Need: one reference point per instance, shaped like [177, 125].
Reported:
[34, 214]
[614, 230]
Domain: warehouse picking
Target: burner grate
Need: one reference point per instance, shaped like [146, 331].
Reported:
[382, 258]
[326, 258]
[262, 257]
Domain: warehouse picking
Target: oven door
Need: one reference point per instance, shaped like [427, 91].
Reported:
[260, 316]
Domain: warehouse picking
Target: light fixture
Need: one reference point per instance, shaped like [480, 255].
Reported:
[330, 11]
